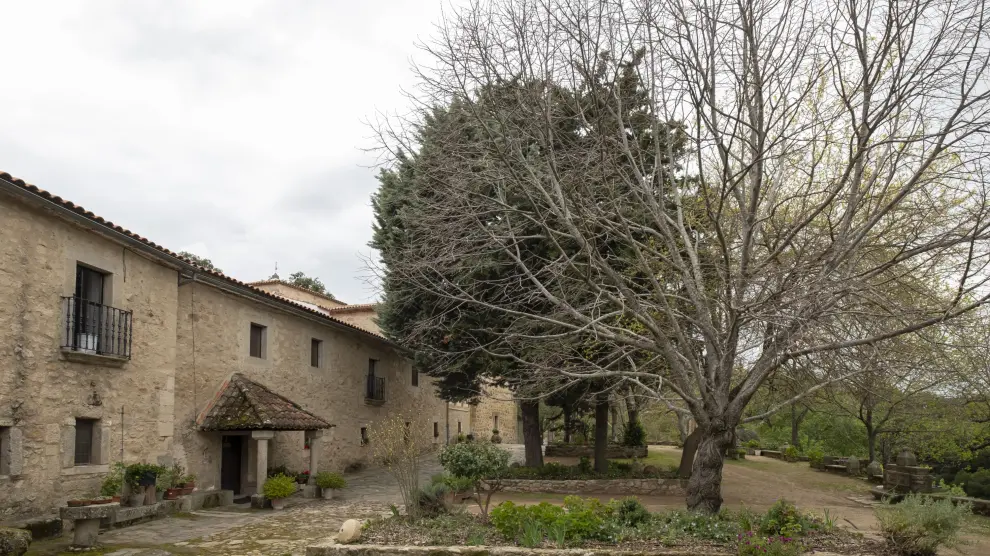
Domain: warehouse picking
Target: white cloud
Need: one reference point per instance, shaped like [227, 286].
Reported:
[233, 129]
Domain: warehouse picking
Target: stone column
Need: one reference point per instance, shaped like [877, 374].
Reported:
[314, 454]
[262, 456]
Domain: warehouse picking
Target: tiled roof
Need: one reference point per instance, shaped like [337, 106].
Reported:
[6, 180]
[357, 308]
[291, 285]
[243, 404]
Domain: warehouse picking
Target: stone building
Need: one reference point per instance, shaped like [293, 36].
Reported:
[113, 348]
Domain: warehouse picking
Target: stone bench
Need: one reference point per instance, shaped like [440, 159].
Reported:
[86, 521]
[775, 454]
[835, 468]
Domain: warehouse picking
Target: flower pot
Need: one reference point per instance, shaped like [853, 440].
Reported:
[187, 489]
[172, 493]
[135, 499]
[327, 493]
[159, 495]
[115, 499]
[278, 503]
[78, 503]
[101, 501]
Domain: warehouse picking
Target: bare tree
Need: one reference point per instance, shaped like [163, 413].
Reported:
[778, 165]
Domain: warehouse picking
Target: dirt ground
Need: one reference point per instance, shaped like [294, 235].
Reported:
[758, 482]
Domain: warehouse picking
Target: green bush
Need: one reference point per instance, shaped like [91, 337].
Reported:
[588, 519]
[475, 461]
[721, 527]
[279, 486]
[508, 518]
[584, 465]
[918, 526]
[634, 434]
[578, 520]
[791, 453]
[750, 544]
[630, 512]
[454, 484]
[974, 483]
[784, 519]
[114, 480]
[134, 472]
[754, 444]
[280, 470]
[816, 457]
[333, 481]
[558, 472]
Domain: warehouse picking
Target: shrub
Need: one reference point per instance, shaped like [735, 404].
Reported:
[750, 544]
[280, 470]
[279, 486]
[791, 453]
[587, 518]
[816, 457]
[398, 443]
[754, 444]
[578, 520]
[333, 481]
[784, 519]
[483, 463]
[584, 465]
[950, 488]
[135, 471]
[583, 470]
[630, 512]
[431, 500]
[720, 527]
[508, 518]
[918, 526]
[634, 434]
[975, 483]
[453, 484]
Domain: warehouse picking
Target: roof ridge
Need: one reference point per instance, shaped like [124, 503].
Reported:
[21, 185]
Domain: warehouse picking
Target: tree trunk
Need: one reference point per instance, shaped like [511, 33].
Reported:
[532, 435]
[795, 426]
[632, 406]
[871, 434]
[704, 492]
[567, 424]
[614, 411]
[601, 433]
[682, 426]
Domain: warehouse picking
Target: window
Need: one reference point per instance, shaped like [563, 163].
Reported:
[5, 451]
[89, 284]
[364, 436]
[258, 334]
[496, 423]
[315, 353]
[458, 427]
[372, 366]
[307, 439]
[85, 430]
[415, 377]
[436, 429]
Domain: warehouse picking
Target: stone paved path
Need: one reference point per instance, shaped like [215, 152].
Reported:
[239, 530]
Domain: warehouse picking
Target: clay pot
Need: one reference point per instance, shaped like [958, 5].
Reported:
[115, 499]
[172, 493]
[78, 503]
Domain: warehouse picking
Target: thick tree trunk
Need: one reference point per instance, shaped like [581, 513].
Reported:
[704, 492]
[682, 426]
[601, 434]
[532, 435]
[795, 427]
[871, 434]
[632, 406]
[567, 424]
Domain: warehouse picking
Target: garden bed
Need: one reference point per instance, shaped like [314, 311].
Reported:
[592, 528]
[584, 472]
[581, 450]
[642, 487]
[979, 505]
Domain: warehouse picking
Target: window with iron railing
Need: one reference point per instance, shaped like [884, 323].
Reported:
[93, 327]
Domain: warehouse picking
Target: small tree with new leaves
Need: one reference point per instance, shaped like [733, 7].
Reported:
[483, 463]
[398, 444]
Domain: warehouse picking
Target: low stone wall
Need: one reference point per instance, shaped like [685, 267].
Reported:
[657, 487]
[578, 450]
[333, 549]
[979, 505]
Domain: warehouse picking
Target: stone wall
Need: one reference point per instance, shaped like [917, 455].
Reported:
[657, 487]
[213, 340]
[579, 450]
[42, 392]
[498, 405]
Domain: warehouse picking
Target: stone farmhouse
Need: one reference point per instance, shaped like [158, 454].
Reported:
[113, 348]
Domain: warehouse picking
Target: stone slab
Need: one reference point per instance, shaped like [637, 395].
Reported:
[95, 511]
[334, 549]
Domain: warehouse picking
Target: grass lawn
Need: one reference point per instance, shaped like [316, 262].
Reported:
[663, 459]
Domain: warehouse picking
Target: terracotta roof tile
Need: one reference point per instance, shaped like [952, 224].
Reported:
[6, 178]
[291, 285]
[243, 404]
[353, 308]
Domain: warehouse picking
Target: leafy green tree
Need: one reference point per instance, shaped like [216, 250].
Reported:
[310, 283]
[201, 261]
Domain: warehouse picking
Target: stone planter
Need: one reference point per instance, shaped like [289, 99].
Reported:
[135, 499]
[326, 493]
[278, 503]
[86, 522]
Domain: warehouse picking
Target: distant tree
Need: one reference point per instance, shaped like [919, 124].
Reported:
[312, 284]
[201, 261]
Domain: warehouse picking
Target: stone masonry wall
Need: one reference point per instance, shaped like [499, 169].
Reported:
[42, 393]
[213, 340]
[496, 402]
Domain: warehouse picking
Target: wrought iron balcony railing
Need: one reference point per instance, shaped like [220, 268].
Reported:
[96, 328]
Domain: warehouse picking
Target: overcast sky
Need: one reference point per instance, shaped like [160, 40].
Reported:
[232, 129]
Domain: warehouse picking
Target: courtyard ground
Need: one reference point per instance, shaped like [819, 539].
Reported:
[754, 483]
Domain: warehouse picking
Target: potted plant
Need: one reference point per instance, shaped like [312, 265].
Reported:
[278, 488]
[303, 478]
[496, 439]
[139, 476]
[101, 500]
[78, 503]
[113, 482]
[329, 482]
[189, 483]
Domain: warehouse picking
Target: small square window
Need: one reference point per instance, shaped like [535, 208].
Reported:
[85, 430]
[415, 377]
[316, 353]
[364, 436]
[258, 334]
